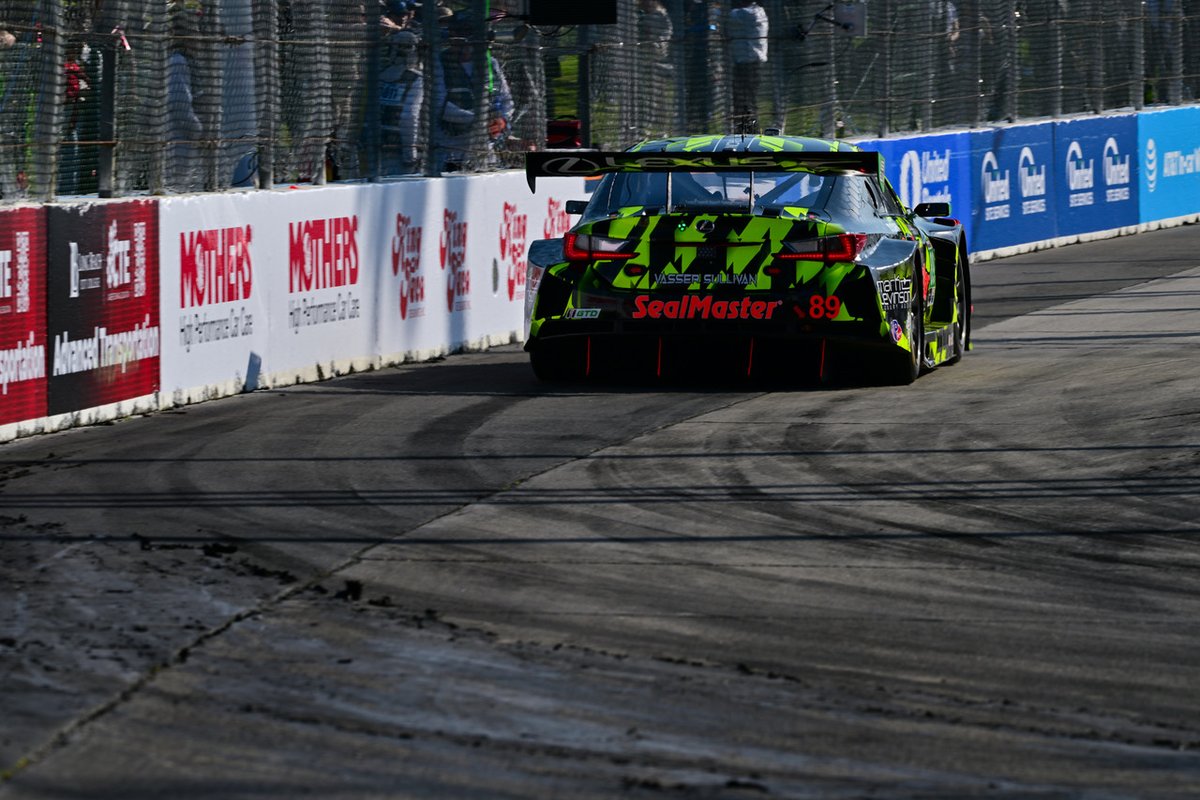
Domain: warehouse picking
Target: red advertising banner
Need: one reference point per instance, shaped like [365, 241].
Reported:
[22, 314]
[102, 304]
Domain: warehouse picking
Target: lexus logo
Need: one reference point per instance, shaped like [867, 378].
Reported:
[706, 226]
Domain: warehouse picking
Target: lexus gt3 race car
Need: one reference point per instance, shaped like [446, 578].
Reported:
[759, 256]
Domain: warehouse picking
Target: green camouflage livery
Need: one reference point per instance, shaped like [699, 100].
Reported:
[746, 276]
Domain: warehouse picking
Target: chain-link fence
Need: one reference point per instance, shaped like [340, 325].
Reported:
[123, 97]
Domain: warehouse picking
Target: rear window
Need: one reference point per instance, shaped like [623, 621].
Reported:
[767, 193]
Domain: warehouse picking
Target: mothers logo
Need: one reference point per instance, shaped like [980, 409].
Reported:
[215, 266]
[322, 254]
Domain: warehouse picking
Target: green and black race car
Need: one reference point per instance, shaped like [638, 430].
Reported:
[762, 256]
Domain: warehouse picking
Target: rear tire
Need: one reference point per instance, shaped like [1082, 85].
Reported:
[906, 368]
[958, 345]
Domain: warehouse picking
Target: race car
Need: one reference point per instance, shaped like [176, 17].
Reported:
[745, 255]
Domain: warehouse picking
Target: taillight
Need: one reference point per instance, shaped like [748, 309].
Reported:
[843, 247]
[585, 247]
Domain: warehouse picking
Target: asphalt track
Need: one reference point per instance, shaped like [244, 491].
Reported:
[445, 580]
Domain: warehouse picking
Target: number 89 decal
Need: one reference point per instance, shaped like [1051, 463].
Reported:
[820, 307]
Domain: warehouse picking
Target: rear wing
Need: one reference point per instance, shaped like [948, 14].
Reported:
[593, 163]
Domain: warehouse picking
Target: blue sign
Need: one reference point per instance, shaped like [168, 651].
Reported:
[1169, 161]
[928, 169]
[1012, 188]
[1095, 177]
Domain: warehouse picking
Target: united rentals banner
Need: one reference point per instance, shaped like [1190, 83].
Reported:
[1096, 175]
[22, 314]
[102, 304]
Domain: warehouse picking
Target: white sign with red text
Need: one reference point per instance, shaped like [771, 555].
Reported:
[212, 307]
[458, 255]
[270, 288]
[325, 258]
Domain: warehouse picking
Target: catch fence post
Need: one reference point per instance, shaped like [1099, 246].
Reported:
[48, 110]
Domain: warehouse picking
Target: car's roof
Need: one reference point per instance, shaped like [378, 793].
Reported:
[753, 143]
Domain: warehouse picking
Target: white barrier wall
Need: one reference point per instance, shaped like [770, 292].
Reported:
[269, 288]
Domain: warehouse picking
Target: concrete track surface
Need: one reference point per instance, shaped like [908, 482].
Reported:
[446, 580]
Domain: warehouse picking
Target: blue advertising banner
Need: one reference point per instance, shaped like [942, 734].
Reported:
[928, 169]
[1012, 192]
[1169, 157]
[1094, 179]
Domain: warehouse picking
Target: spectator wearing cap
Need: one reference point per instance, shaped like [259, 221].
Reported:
[397, 16]
[458, 93]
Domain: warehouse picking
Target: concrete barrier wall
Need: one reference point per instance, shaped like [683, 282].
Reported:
[112, 308]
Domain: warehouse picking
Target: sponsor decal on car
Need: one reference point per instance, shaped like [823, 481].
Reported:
[719, 278]
[895, 293]
[819, 306]
[703, 307]
[581, 313]
[897, 331]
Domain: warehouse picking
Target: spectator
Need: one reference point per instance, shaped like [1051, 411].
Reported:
[184, 128]
[655, 29]
[945, 15]
[653, 88]
[747, 31]
[77, 169]
[401, 92]
[457, 96]
[397, 16]
[701, 71]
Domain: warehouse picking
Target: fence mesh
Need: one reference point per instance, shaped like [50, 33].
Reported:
[130, 97]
